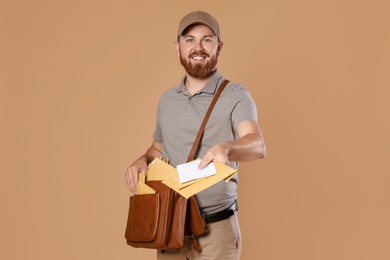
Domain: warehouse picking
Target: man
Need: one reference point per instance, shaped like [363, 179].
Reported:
[232, 134]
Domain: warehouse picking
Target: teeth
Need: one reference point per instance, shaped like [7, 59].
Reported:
[198, 58]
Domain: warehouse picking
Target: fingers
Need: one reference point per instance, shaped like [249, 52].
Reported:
[132, 179]
[127, 176]
[131, 175]
[216, 153]
[144, 169]
[204, 162]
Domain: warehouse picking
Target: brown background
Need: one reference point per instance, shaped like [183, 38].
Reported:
[80, 81]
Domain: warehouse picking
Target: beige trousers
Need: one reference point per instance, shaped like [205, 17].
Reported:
[221, 242]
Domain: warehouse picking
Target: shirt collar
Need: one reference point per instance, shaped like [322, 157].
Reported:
[209, 88]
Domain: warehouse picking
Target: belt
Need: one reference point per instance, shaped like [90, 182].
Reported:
[221, 215]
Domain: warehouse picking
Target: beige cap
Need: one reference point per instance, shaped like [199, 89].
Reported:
[199, 17]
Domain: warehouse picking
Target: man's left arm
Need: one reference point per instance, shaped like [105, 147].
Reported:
[249, 146]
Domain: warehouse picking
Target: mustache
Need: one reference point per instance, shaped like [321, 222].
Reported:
[199, 53]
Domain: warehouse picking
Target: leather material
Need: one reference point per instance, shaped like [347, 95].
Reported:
[165, 229]
[195, 225]
[221, 215]
[195, 146]
[143, 227]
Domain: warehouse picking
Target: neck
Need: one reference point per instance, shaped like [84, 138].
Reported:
[193, 85]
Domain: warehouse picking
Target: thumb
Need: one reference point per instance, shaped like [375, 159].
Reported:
[203, 163]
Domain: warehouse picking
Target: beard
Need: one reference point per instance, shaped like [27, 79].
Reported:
[199, 71]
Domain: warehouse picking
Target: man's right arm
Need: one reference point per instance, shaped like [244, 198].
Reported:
[141, 165]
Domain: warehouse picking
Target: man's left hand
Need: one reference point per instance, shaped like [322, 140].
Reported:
[249, 146]
[217, 153]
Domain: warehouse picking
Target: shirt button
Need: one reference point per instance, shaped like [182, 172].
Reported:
[187, 108]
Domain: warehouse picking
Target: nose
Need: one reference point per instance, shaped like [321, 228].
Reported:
[199, 46]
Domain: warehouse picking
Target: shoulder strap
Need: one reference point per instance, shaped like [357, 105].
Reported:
[195, 146]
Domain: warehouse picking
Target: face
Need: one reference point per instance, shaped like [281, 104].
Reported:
[198, 50]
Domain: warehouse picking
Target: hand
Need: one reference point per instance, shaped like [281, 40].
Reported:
[132, 172]
[217, 153]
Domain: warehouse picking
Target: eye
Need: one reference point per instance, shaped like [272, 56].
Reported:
[189, 40]
[206, 40]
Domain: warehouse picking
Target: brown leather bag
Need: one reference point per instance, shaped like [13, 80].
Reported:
[157, 220]
[161, 220]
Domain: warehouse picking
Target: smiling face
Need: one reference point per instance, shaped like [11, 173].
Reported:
[198, 49]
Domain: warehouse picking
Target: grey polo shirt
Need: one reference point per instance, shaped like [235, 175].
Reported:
[179, 116]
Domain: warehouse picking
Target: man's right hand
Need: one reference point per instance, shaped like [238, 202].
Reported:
[141, 165]
[132, 172]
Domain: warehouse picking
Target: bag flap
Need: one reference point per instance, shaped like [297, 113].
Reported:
[143, 217]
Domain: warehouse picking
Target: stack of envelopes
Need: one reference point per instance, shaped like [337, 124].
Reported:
[159, 170]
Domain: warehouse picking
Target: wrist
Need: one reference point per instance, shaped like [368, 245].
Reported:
[226, 146]
[144, 159]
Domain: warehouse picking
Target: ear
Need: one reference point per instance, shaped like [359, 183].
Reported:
[220, 45]
[177, 48]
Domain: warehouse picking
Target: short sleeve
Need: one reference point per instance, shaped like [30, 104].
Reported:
[157, 136]
[243, 106]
